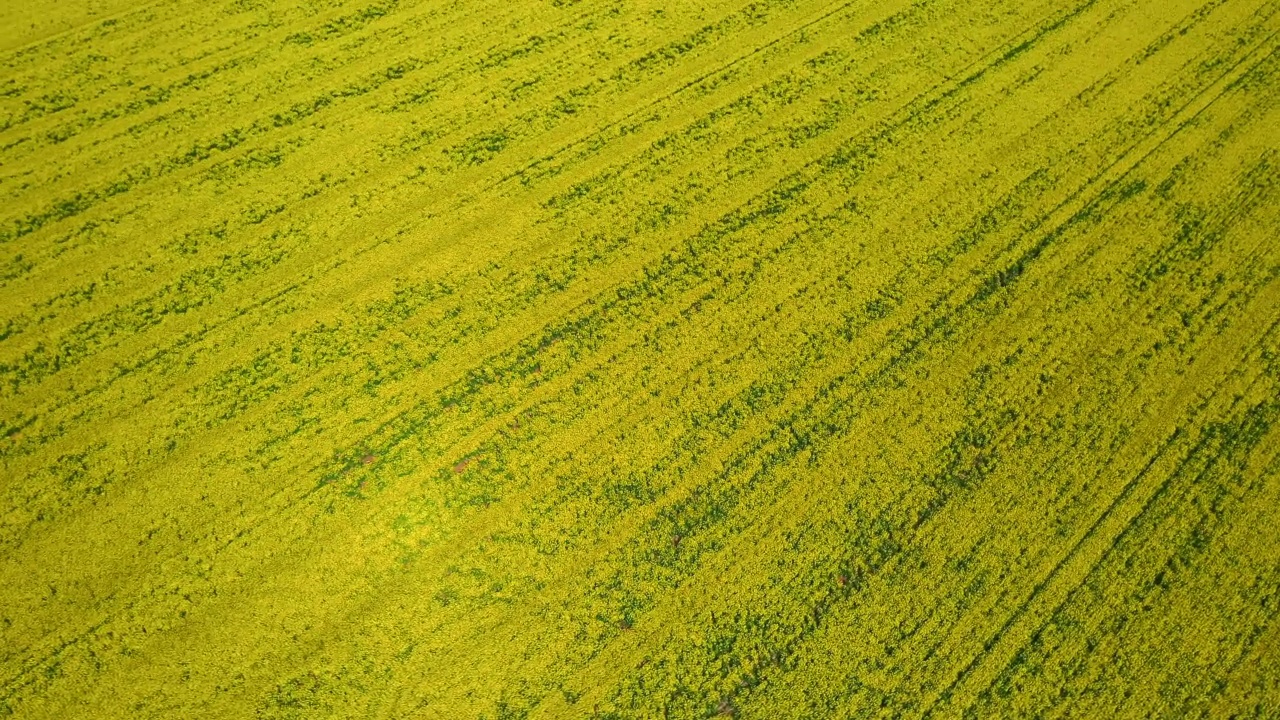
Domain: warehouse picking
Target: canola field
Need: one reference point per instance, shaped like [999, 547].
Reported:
[522, 359]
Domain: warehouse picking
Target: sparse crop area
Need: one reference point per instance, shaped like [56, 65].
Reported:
[524, 359]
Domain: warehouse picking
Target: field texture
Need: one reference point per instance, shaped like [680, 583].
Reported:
[586, 358]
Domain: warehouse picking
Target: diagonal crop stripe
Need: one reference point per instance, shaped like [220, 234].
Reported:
[516, 359]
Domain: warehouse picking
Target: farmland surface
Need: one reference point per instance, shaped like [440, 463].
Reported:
[587, 358]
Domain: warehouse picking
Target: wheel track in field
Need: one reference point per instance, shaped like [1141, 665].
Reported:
[1080, 354]
[793, 511]
[1218, 87]
[1210, 433]
[1141, 503]
[566, 381]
